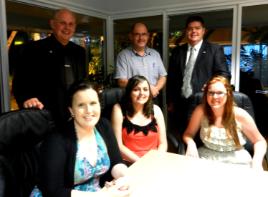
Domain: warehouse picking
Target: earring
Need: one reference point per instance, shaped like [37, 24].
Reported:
[70, 118]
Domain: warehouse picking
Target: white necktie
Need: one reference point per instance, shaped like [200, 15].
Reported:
[187, 87]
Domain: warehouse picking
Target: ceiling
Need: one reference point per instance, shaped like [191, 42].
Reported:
[21, 16]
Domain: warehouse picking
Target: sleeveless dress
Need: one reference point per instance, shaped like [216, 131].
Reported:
[87, 176]
[218, 146]
[140, 139]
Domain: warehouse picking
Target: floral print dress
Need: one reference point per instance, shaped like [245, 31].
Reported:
[87, 176]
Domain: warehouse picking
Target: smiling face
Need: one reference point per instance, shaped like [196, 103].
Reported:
[139, 36]
[140, 93]
[195, 32]
[216, 95]
[85, 108]
[63, 26]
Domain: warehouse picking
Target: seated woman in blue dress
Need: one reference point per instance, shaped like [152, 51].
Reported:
[224, 128]
[75, 159]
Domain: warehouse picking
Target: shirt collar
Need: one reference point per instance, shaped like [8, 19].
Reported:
[146, 52]
[196, 47]
[57, 43]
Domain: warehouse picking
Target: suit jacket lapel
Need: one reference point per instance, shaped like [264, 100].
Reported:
[184, 55]
[201, 52]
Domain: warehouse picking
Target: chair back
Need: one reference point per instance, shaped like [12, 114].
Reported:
[21, 133]
[108, 98]
[241, 100]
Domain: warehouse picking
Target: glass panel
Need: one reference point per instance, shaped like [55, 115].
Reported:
[254, 61]
[27, 22]
[218, 29]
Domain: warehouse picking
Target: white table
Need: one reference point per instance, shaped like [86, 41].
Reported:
[167, 174]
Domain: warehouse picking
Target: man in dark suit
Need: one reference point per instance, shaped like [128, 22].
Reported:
[46, 68]
[191, 65]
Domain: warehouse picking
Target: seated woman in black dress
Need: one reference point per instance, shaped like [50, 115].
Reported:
[138, 124]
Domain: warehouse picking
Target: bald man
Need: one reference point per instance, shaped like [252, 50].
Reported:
[49, 66]
[138, 59]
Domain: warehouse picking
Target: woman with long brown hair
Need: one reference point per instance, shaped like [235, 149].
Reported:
[223, 127]
[138, 124]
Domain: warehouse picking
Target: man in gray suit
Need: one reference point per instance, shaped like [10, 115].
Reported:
[191, 65]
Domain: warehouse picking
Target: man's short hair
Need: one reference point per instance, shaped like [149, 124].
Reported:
[56, 12]
[194, 18]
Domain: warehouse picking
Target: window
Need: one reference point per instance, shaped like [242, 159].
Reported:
[254, 61]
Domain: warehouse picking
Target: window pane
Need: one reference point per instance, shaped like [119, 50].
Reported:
[253, 61]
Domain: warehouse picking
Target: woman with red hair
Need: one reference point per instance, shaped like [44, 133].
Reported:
[224, 128]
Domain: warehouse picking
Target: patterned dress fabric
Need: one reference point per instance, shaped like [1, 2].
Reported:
[86, 175]
[140, 139]
[219, 146]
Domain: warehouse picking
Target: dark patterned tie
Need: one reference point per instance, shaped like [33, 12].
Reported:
[68, 72]
[187, 87]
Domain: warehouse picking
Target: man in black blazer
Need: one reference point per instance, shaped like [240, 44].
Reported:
[49, 66]
[208, 60]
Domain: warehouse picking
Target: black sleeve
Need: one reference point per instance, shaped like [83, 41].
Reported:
[85, 63]
[173, 81]
[53, 165]
[24, 71]
[81, 68]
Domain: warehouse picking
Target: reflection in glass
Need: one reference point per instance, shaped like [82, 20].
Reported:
[254, 61]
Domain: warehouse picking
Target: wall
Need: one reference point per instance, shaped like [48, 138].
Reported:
[130, 8]
[87, 7]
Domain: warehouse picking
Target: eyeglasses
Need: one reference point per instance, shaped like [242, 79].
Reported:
[218, 94]
[140, 34]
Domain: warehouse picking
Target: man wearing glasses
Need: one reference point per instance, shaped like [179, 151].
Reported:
[190, 66]
[138, 59]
